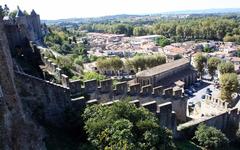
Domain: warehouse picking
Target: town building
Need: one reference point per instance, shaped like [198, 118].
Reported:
[167, 74]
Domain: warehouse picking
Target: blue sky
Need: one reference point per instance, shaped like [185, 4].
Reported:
[56, 9]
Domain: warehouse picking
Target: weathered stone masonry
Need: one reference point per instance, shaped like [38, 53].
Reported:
[17, 130]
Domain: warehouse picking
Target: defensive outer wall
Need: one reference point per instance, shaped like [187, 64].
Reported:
[50, 100]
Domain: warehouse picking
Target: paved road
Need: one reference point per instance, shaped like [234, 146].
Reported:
[201, 91]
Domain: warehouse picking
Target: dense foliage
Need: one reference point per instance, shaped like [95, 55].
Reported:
[210, 28]
[123, 126]
[163, 41]
[212, 64]
[229, 85]
[210, 138]
[4, 11]
[226, 67]
[64, 41]
[200, 62]
[113, 63]
[93, 75]
[144, 62]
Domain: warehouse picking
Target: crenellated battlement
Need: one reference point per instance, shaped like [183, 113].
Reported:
[96, 88]
[164, 112]
[217, 102]
[168, 103]
[227, 122]
[120, 89]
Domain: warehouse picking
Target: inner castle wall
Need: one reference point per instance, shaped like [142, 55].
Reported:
[43, 99]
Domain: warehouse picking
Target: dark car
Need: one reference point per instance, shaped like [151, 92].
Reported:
[191, 104]
[188, 92]
[193, 89]
[208, 91]
[197, 84]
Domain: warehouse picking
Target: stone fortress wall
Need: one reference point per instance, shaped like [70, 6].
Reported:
[167, 103]
[104, 91]
[228, 121]
[42, 99]
[49, 101]
[22, 29]
[17, 129]
[217, 102]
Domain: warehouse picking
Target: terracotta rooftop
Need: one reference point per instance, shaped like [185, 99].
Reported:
[174, 49]
[235, 59]
[162, 68]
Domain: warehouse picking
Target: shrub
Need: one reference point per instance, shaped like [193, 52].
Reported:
[210, 137]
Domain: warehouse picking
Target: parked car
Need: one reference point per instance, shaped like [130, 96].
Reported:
[203, 96]
[189, 92]
[193, 89]
[197, 84]
[208, 91]
[191, 104]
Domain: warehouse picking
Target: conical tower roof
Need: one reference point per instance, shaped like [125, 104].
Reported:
[19, 12]
[33, 13]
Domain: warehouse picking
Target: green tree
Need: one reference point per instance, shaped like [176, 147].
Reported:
[93, 75]
[139, 31]
[212, 64]
[123, 126]
[163, 41]
[207, 49]
[13, 14]
[144, 62]
[114, 63]
[233, 38]
[79, 61]
[74, 39]
[6, 10]
[138, 62]
[238, 53]
[66, 64]
[66, 48]
[229, 85]
[210, 138]
[103, 64]
[226, 67]
[200, 62]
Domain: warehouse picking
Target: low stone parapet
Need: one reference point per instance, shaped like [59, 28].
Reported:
[147, 90]
[151, 106]
[168, 92]
[90, 86]
[121, 88]
[158, 91]
[135, 89]
[106, 86]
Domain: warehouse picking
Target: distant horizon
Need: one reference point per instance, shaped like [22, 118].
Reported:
[55, 9]
[178, 12]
